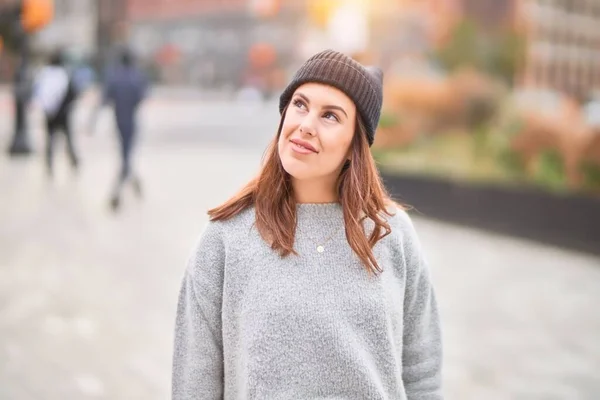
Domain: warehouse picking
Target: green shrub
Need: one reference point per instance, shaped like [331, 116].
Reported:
[550, 171]
[591, 176]
[511, 162]
[388, 120]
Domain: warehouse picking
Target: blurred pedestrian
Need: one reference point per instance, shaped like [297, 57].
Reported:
[125, 88]
[55, 92]
[311, 282]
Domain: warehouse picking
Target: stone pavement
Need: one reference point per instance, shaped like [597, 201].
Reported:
[87, 297]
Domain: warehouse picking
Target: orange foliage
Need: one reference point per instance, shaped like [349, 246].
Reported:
[37, 14]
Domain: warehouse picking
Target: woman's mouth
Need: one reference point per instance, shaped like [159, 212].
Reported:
[302, 147]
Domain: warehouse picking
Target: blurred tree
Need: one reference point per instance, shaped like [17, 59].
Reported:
[497, 53]
[35, 14]
[461, 49]
[507, 56]
[23, 17]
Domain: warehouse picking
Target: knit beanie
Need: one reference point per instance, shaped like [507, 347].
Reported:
[364, 85]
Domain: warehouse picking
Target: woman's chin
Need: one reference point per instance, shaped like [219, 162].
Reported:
[298, 169]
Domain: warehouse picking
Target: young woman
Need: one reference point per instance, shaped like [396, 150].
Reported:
[310, 282]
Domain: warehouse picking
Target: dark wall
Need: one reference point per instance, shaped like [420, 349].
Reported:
[569, 221]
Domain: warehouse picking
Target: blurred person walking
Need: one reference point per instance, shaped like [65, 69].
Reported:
[55, 92]
[124, 89]
[311, 282]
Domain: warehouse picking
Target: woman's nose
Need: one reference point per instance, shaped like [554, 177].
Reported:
[308, 125]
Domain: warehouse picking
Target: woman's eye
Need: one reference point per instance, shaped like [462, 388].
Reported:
[299, 104]
[331, 116]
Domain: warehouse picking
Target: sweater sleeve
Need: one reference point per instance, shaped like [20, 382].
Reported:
[198, 348]
[422, 342]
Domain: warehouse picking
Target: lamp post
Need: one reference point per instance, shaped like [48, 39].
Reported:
[20, 144]
[18, 22]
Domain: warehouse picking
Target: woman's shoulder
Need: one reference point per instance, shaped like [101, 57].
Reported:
[403, 236]
[399, 220]
[227, 228]
[241, 221]
[215, 238]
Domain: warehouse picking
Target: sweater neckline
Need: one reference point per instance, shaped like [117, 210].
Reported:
[308, 205]
[319, 213]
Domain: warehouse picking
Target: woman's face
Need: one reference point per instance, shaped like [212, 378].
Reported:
[317, 131]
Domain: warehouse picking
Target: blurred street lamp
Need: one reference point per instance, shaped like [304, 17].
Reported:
[17, 23]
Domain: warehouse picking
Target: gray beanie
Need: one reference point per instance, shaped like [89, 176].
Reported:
[364, 85]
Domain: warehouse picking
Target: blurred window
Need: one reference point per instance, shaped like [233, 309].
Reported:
[544, 100]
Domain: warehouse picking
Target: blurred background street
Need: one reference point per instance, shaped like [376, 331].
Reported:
[478, 94]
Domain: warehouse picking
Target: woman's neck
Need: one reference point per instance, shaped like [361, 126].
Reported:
[314, 192]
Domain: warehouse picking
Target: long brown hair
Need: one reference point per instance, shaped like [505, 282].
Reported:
[360, 189]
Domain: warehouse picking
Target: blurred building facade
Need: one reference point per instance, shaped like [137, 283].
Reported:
[563, 45]
[73, 28]
[208, 42]
[561, 37]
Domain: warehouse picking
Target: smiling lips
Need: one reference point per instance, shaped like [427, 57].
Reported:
[302, 147]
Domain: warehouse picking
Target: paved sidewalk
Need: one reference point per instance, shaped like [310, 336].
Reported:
[87, 298]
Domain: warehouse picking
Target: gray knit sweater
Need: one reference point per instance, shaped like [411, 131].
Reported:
[253, 325]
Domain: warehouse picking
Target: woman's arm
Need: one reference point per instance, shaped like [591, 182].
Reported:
[198, 350]
[422, 348]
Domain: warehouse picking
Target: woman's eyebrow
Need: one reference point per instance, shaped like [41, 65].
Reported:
[327, 107]
[332, 107]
